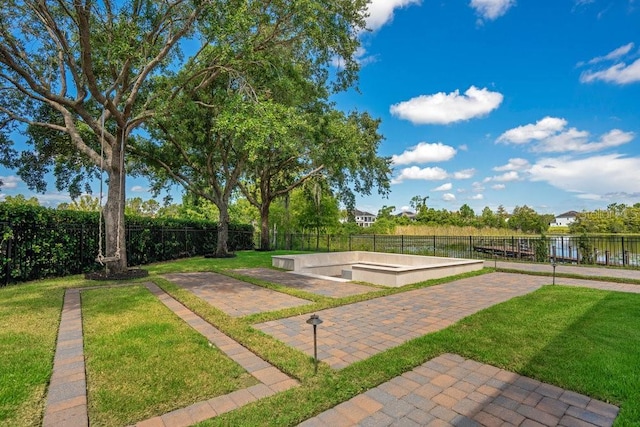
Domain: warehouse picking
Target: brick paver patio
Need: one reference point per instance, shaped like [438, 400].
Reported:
[314, 285]
[234, 297]
[452, 391]
[356, 331]
[448, 390]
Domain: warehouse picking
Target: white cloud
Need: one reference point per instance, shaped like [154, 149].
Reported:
[426, 174]
[619, 73]
[515, 164]
[448, 197]
[138, 189]
[381, 11]
[10, 181]
[551, 136]
[596, 175]
[443, 108]
[578, 141]
[499, 186]
[477, 186]
[425, 152]
[464, 173]
[505, 177]
[543, 128]
[589, 196]
[613, 55]
[491, 9]
[444, 187]
[477, 197]
[463, 147]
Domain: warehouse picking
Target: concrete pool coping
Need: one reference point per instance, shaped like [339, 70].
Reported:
[392, 270]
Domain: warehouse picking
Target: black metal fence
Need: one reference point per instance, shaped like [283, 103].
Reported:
[27, 253]
[611, 250]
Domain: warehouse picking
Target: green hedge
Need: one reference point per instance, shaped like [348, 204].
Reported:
[37, 242]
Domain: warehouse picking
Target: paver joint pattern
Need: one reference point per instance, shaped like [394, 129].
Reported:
[356, 331]
[313, 285]
[450, 390]
[234, 297]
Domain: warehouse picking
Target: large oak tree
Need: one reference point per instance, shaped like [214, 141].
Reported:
[249, 112]
[79, 71]
[85, 72]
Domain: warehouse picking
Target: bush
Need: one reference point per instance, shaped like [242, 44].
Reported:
[38, 242]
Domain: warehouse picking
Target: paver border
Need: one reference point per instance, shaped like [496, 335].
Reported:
[67, 394]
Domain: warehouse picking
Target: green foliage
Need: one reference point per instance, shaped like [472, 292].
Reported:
[617, 218]
[315, 208]
[586, 250]
[84, 203]
[139, 207]
[541, 249]
[43, 242]
[527, 220]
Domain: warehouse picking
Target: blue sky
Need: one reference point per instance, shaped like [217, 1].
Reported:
[495, 102]
[503, 102]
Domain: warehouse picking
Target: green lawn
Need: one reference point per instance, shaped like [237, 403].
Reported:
[581, 339]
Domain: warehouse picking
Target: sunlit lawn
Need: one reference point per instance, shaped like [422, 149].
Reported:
[142, 360]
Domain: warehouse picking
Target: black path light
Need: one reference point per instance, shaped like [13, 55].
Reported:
[315, 321]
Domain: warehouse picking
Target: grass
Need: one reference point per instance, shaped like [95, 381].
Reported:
[28, 318]
[452, 230]
[141, 359]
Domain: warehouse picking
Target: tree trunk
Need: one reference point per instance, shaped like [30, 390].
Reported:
[222, 247]
[114, 226]
[264, 227]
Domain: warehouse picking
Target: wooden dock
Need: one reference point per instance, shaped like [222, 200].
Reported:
[523, 253]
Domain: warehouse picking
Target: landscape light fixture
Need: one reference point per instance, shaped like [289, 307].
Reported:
[315, 321]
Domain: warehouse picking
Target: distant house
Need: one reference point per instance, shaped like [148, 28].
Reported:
[364, 219]
[407, 214]
[564, 219]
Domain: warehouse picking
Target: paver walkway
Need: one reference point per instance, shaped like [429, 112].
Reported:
[313, 285]
[356, 331]
[67, 399]
[567, 269]
[234, 297]
[452, 391]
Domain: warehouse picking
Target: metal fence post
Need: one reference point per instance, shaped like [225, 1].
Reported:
[7, 267]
